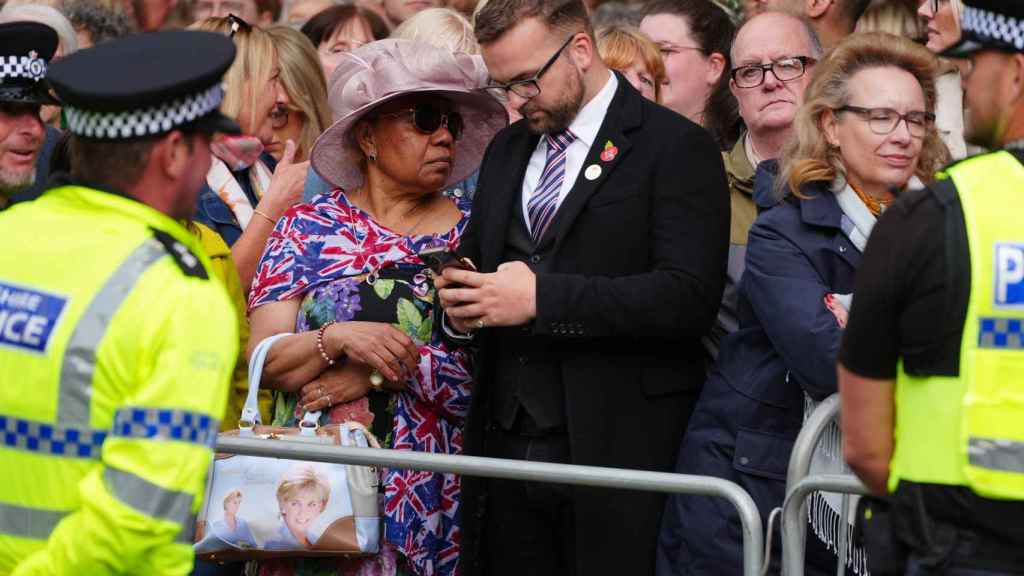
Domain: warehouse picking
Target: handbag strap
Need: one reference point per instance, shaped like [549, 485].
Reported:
[251, 411]
[250, 416]
[357, 435]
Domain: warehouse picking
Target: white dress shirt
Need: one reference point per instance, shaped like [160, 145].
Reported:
[586, 126]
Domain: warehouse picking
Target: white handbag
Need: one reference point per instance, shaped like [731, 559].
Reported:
[259, 507]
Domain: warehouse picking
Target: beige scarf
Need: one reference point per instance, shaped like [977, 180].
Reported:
[223, 183]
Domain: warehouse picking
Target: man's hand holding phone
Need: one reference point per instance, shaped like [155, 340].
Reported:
[474, 301]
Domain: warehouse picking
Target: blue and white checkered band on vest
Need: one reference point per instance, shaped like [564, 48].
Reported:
[145, 122]
[991, 26]
[32, 67]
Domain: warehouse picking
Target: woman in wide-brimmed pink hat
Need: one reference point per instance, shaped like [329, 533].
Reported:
[343, 273]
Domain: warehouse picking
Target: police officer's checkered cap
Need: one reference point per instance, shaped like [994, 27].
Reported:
[986, 25]
[147, 122]
[33, 68]
[145, 85]
[25, 49]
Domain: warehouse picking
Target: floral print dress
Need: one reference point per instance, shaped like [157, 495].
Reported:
[343, 266]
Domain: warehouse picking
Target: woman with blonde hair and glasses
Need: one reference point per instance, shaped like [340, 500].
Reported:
[630, 52]
[246, 189]
[300, 113]
[865, 132]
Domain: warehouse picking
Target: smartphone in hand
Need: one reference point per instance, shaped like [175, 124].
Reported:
[440, 258]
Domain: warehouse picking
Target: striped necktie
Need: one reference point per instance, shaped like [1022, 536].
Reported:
[545, 199]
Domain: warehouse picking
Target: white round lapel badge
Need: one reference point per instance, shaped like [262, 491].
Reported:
[593, 172]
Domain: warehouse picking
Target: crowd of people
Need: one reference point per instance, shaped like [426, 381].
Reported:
[656, 216]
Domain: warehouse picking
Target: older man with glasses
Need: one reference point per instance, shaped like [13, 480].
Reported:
[773, 55]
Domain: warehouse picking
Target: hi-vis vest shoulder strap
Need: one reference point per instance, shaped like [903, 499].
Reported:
[968, 430]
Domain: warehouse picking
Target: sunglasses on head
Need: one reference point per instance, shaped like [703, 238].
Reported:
[238, 25]
[428, 119]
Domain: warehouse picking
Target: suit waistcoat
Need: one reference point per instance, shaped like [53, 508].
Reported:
[526, 377]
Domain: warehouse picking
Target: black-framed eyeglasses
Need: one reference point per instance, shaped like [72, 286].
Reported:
[883, 121]
[528, 88]
[428, 119]
[784, 70]
[237, 24]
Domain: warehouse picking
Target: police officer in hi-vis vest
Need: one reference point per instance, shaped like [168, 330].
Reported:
[932, 365]
[116, 342]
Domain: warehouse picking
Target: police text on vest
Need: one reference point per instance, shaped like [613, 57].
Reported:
[28, 316]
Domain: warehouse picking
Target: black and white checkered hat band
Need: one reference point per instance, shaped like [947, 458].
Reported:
[991, 26]
[147, 122]
[31, 67]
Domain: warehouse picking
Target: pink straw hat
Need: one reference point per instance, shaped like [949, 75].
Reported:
[381, 71]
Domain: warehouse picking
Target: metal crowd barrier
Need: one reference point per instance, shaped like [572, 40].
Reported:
[593, 476]
[800, 485]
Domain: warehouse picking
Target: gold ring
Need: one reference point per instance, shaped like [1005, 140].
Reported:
[328, 400]
[480, 324]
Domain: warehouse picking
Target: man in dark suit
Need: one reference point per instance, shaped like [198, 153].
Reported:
[600, 231]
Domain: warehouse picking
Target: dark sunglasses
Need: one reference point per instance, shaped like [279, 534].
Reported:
[428, 119]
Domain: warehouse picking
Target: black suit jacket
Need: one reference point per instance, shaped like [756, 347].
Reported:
[634, 278]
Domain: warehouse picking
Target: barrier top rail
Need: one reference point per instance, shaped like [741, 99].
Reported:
[753, 538]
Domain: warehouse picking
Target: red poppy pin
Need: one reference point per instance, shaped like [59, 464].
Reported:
[610, 152]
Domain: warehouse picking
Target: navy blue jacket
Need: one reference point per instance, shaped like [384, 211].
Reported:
[751, 408]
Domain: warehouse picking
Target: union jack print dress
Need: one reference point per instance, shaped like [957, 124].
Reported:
[341, 265]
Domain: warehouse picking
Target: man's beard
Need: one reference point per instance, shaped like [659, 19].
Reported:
[981, 131]
[12, 182]
[560, 116]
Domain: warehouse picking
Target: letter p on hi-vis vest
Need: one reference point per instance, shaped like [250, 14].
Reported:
[969, 430]
[116, 349]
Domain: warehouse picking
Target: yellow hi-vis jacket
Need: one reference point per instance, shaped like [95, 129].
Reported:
[116, 351]
[969, 430]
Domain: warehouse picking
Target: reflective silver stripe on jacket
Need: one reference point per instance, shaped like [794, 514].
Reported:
[996, 454]
[79, 363]
[187, 534]
[148, 498]
[33, 523]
